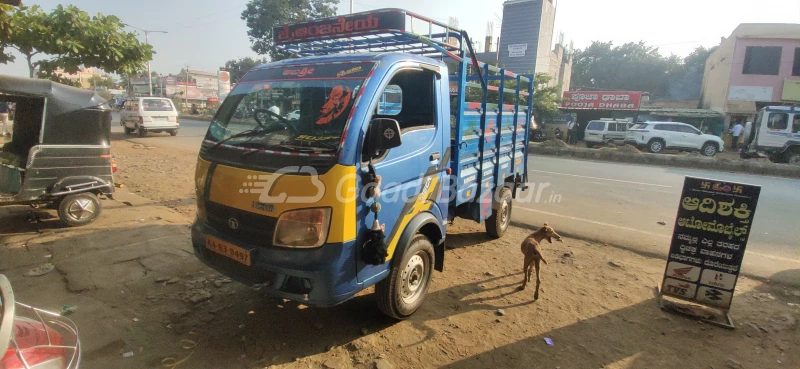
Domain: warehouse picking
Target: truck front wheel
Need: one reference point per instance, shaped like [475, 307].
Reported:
[792, 157]
[497, 223]
[401, 293]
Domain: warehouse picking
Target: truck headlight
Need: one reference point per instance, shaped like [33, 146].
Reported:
[302, 228]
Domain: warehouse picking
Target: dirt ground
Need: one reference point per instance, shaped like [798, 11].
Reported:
[139, 291]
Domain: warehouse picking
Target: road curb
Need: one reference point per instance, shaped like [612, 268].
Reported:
[691, 162]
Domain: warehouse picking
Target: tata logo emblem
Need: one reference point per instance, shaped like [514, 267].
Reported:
[233, 223]
[388, 133]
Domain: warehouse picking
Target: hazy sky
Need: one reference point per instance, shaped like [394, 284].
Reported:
[206, 33]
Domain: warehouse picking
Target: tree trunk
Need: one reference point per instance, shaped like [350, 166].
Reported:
[30, 64]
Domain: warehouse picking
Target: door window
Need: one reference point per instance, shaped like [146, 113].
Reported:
[687, 129]
[596, 126]
[664, 127]
[778, 121]
[408, 88]
[796, 123]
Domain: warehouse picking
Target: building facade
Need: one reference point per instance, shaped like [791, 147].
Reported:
[526, 35]
[757, 66]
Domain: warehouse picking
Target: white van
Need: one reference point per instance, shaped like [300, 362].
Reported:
[149, 114]
[603, 132]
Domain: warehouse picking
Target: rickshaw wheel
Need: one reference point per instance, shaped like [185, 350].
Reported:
[142, 132]
[128, 131]
[79, 209]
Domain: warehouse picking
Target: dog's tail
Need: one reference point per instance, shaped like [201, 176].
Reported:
[542, 257]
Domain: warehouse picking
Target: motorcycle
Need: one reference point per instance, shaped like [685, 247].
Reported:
[32, 338]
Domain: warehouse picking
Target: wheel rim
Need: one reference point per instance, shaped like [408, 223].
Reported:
[414, 279]
[656, 146]
[81, 209]
[710, 150]
[505, 214]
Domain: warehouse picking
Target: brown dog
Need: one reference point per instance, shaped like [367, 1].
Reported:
[533, 254]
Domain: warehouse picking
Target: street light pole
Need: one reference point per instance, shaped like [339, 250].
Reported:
[147, 42]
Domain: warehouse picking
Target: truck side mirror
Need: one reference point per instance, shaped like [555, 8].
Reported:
[384, 134]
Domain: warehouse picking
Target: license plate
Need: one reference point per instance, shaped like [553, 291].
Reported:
[228, 250]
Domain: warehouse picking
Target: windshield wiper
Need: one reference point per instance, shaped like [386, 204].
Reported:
[246, 133]
[284, 147]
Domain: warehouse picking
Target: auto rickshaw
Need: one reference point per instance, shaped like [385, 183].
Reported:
[59, 154]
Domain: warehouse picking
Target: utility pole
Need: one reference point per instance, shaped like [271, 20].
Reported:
[351, 6]
[186, 94]
[147, 42]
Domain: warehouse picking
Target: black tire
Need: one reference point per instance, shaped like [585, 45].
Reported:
[79, 209]
[709, 149]
[142, 132]
[656, 145]
[128, 131]
[173, 132]
[409, 275]
[589, 145]
[792, 157]
[497, 223]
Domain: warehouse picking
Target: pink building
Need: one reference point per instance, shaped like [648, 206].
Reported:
[758, 65]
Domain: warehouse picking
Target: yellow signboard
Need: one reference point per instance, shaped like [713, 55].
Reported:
[791, 90]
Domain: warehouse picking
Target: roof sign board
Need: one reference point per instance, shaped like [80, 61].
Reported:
[602, 100]
[750, 93]
[355, 24]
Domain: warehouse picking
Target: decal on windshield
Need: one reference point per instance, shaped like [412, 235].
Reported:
[338, 100]
[346, 70]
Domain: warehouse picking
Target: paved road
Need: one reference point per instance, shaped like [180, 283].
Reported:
[189, 136]
[622, 204]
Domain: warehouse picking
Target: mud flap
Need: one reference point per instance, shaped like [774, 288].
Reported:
[438, 253]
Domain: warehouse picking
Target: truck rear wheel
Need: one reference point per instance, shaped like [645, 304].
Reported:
[79, 209]
[497, 223]
[401, 293]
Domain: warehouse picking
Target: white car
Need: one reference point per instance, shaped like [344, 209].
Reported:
[658, 136]
[149, 114]
[295, 115]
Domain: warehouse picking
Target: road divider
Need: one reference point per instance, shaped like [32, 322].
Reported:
[667, 160]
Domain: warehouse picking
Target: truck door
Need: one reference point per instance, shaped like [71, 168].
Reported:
[411, 173]
[776, 131]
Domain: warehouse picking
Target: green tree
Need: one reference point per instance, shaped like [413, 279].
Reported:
[546, 99]
[99, 81]
[632, 66]
[238, 68]
[687, 80]
[69, 38]
[262, 15]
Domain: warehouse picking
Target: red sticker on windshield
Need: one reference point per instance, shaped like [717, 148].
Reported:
[338, 100]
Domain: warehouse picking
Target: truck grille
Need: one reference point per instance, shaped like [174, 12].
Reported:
[252, 228]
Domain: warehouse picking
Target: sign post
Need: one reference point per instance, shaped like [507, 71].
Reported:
[711, 231]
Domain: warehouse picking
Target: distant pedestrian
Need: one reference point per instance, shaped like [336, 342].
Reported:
[4, 111]
[571, 131]
[736, 131]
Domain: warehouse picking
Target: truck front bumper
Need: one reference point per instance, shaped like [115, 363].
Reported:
[323, 276]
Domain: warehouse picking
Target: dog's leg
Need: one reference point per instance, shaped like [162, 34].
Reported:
[525, 272]
[536, 294]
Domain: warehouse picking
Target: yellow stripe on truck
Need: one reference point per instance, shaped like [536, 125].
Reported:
[420, 204]
[271, 194]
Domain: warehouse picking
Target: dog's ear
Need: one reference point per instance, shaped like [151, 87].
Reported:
[550, 239]
[545, 224]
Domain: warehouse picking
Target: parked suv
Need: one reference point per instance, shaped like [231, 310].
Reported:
[149, 114]
[657, 136]
[603, 132]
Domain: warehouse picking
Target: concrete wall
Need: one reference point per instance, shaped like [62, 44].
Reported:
[714, 93]
[774, 82]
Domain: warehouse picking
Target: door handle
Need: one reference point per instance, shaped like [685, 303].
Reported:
[435, 156]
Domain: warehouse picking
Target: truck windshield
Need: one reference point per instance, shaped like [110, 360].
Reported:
[292, 108]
